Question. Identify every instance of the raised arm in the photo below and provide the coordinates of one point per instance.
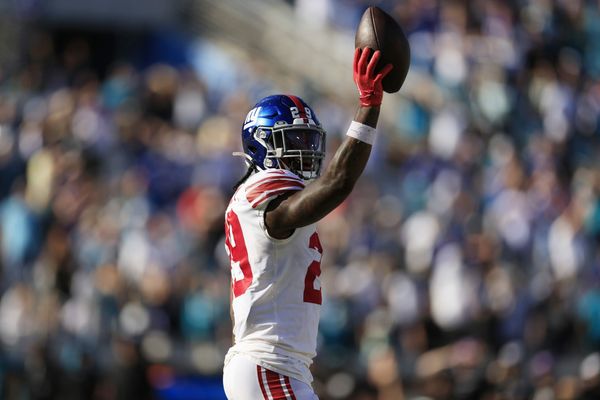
(291, 211)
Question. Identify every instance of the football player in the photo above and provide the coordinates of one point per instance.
(271, 240)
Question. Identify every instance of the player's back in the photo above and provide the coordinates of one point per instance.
(276, 294)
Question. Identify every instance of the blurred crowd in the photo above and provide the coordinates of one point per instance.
(465, 265)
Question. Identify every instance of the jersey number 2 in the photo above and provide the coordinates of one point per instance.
(241, 272)
(312, 295)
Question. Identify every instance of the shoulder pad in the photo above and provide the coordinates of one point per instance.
(268, 184)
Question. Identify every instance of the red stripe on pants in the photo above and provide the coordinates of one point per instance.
(260, 382)
(289, 388)
(274, 382)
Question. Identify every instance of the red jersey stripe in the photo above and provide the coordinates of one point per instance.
(275, 179)
(276, 174)
(253, 194)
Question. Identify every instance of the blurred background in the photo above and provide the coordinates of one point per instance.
(465, 265)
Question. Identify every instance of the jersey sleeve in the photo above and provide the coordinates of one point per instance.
(269, 184)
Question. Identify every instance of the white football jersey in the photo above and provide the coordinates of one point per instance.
(276, 292)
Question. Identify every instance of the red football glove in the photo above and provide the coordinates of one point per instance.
(369, 85)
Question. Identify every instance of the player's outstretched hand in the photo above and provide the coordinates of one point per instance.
(367, 80)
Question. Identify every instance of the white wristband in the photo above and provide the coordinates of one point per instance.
(361, 132)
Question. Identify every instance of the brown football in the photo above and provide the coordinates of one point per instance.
(379, 31)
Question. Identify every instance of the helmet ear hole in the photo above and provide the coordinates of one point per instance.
(252, 149)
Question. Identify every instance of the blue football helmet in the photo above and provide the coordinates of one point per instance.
(282, 131)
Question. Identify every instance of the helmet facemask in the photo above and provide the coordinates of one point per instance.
(299, 149)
